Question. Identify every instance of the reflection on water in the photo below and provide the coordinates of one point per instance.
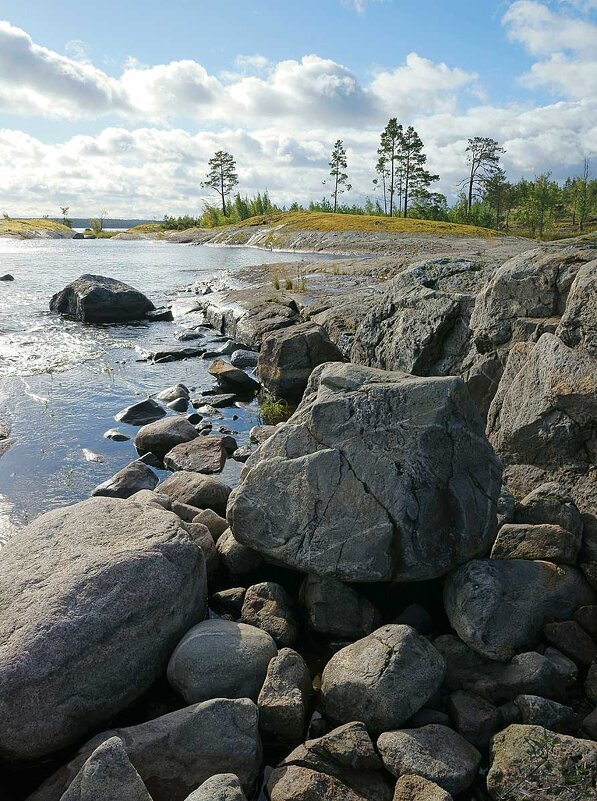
(62, 382)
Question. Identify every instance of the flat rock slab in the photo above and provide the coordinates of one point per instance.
(74, 647)
(97, 299)
(201, 455)
(485, 596)
(363, 475)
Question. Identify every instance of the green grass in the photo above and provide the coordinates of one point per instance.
(24, 229)
(273, 410)
(146, 228)
(322, 221)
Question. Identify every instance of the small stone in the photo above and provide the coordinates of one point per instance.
(269, 607)
(179, 405)
(539, 541)
(284, 698)
(228, 603)
(536, 711)
(116, 435)
(476, 719)
(550, 503)
(201, 537)
(185, 511)
(221, 787)
(173, 393)
(108, 775)
(139, 414)
(196, 489)
(216, 401)
(217, 525)
(260, 434)
(237, 558)
(587, 617)
(161, 436)
(437, 753)
(570, 638)
(228, 376)
(336, 610)
(244, 358)
(415, 788)
(242, 454)
(589, 724)
(162, 314)
(590, 685)
(152, 499)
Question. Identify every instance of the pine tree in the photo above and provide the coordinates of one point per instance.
(222, 177)
(388, 151)
(483, 158)
(338, 164)
(413, 176)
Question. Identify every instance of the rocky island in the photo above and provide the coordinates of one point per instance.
(397, 602)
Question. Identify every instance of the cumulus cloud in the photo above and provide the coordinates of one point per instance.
(360, 6)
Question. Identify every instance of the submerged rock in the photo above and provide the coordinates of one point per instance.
(362, 497)
(97, 299)
(74, 647)
(176, 753)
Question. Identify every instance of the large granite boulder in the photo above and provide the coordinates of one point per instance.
(174, 754)
(108, 775)
(97, 299)
(435, 752)
(485, 596)
(221, 659)
(93, 598)
(284, 698)
(532, 762)
(382, 679)
(340, 766)
(376, 477)
(162, 436)
(287, 359)
(268, 606)
(578, 326)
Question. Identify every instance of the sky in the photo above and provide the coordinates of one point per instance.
(119, 105)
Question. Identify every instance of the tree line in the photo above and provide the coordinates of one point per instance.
(402, 185)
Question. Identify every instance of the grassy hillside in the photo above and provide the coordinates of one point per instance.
(146, 228)
(25, 229)
(322, 221)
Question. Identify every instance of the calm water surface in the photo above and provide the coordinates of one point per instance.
(62, 382)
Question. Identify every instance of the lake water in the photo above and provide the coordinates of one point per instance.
(61, 382)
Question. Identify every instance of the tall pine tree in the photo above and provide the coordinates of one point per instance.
(222, 177)
(413, 175)
(338, 164)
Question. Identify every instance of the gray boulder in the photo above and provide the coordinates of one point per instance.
(197, 489)
(200, 455)
(151, 498)
(160, 437)
(173, 393)
(133, 478)
(217, 525)
(540, 541)
(435, 752)
(139, 414)
(531, 762)
(244, 358)
(222, 787)
(340, 766)
(74, 648)
(174, 754)
(284, 698)
(201, 537)
(107, 776)
(360, 498)
(537, 711)
(97, 299)
(287, 359)
(337, 610)
(237, 558)
(474, 718)
(269, 607)
(231, 378)
(415, 788)
(578, 326)
(221, 659)
(228, 603)
(550, 503)
(483, 597)
(382, 679)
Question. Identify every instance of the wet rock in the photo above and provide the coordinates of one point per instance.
(287, 359)
(244, 358)
(475, 719)
(539, 763)
(163, 314)
(578, 326)
(108, 775)
(242, 454)
(483, 597)
(116, 435)
(541, 541)
(161, 436)
(537, 711)
(339, 766)
(353, 491)
(179, 405)
(336, 610)
(75, 649)
(550, 503)
(176, 353)
(97, 299)
(531, 672)
(269, 607)
(382, 679)
(216, 401)
(435, 752)
(284, 698)
(221, 659)
(229, 377)
(222, 787)
(415, 788)
(196, 489)
(570, 638)
(201, 455)
(217, 525)
(176, 753)
(228, 603)
(133, 478)
(237, 558)
(7, 277)
(139, 414)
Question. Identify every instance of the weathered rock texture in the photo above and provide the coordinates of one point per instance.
(97, 299)
(377, 477)
(93, 599)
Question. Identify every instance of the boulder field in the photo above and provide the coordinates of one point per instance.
(397, 602)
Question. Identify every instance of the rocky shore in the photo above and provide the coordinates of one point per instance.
(396, 603)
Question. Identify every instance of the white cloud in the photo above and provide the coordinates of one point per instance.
(360, 6)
